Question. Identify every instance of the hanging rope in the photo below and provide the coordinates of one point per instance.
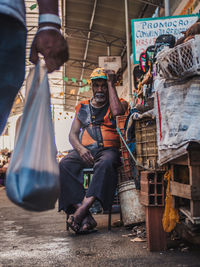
(131, 154)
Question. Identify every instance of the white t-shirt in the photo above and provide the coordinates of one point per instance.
(14, 8)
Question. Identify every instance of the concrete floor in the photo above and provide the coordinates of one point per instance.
(40, 239)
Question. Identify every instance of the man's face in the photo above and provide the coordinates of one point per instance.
(100, 90)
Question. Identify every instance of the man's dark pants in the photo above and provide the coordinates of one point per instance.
(104, 180)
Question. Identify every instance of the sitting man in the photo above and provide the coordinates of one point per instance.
(96, 142)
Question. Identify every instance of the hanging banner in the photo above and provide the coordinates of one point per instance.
(145, 31)
(110, 62)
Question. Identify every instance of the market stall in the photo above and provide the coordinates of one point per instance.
(167, 132)
(177, 109)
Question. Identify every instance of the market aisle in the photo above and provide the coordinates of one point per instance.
(40, 239)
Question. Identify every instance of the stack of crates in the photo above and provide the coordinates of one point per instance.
(146, 143)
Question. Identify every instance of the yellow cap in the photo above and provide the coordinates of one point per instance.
(98, 73)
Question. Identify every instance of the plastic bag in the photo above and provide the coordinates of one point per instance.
(32, 180)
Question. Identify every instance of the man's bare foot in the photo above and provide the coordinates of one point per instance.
(75, 220)
(88, 223)
(82, 213)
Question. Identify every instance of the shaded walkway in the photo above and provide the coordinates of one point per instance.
(40, 239)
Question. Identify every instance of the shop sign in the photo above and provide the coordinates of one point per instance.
(145, 31)
(110, 62)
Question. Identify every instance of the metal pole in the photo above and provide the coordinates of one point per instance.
(64, 6)
(128, 51)
(87, 46)
(108, 50)
(167, 8)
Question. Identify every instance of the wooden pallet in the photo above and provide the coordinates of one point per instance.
(187, 186)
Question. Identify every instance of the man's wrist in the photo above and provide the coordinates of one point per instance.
(47, 28)
(49, 24)
(49, 18)
(79, 148)
(110, 83)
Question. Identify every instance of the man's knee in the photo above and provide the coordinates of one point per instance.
(106, 163)
(63, 164)
(110, 158)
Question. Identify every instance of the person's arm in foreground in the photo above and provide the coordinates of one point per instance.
(116, 107)
(49, 42)
(84, 153)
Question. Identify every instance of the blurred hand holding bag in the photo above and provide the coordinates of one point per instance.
(32, 180)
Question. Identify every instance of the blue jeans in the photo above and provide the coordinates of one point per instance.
(12, 63)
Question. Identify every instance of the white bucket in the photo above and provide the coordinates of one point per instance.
(132, 211)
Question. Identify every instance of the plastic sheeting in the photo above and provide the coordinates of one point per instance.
(177, 108)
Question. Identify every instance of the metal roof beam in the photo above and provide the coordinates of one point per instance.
(67, 94)
(96, 41)
(156, 3)
(80, 67)
(88, 41)
(75, 33)
(75, 63)
(75, 85)
(143, 11)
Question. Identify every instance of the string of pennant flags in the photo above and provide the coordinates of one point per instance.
(33, 6)
(64, 116)
(74, 80)
(61, 94)
(58, 95)
(82, 89)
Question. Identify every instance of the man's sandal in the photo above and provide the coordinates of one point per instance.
(72, 224)
(86, 232)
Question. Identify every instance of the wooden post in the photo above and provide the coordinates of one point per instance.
(190, 188)
(194, 176)
(152, 196)
(194, 172)
(156, 237)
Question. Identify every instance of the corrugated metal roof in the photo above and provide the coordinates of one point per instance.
(90, 27)
(93, 26)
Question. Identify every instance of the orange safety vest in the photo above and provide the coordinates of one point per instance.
(98, 125)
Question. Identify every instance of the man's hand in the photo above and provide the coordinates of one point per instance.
(86, 156)
(111, 76)
(52, 45)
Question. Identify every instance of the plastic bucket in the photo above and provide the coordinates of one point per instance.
(132, 211)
